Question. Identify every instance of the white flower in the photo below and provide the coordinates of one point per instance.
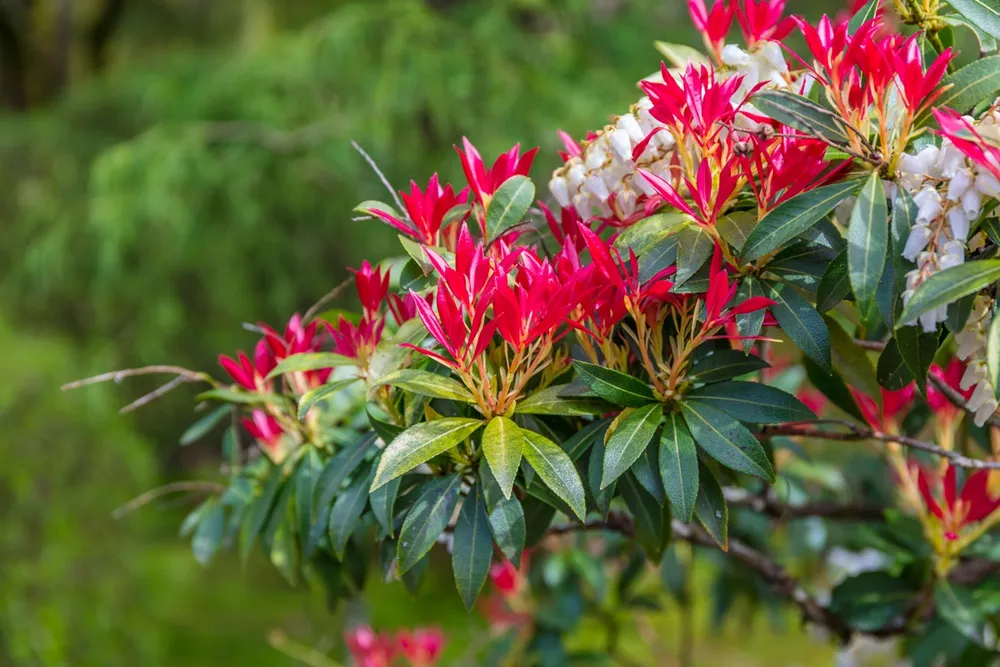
(972, 203)
(959, 184)
(919, 236)
(625, 202)
(950, 160)
(734, 56)
(576, 174)
(985, 411)
(559, 188)
(954, 255)
(631, 125)
(987, 184)
(982, 393)
(597, 187)
(774, 56)
(621, 144)
(958, 221)
(920, 164)
(928, 203)
(929, 321)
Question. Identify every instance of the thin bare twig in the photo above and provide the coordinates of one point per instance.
(119, 375)
(770, 506)
(144, 499)
(381, 176)
(856, 432)
(304, 654)
(325, 299)
(155, 394)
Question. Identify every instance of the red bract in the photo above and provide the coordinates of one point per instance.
(719, 309)
(422, 647)
(796, 164)
(566, 228)
(834, 48)
(761, 20)
(368, 648)
(906, 65)
(894, 404)
(250, 374)
(697, 103)
(426, 210)
(356, 341)
(485, 181)
(965, 137)
(623, 278)
(534, 306)
(372, 286)
(709, 195)
(297, 339)
(953, 510)
(951, 377)
(267, 431)
(713, 25)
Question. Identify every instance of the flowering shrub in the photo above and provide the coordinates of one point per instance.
(761, 226)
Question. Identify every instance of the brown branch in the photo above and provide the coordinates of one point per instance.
(117, 376)
(155, 394)
(160, 491)
(770, 506)
(325, 299)
(856, 432)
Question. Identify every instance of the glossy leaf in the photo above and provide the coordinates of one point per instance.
(646, 471)
(502, 445)
(310, 361)
(472, 547)
(614, 387)
(339, 468)
(551, 401)
(508, 528)
(832, 386)
(426, 383)
(802, 114)
(508, 206)
(629, 441)
(800, 321)
(648, 232)
(971, 84)
(749, 324)
(555, 468)
(792, 217)
(694, 247)
(736, 227)
(679, 466)
(420, 443)
(313, 396)
(950, 285)
(383, 501)
(347, 510)
(710, 506)
(580, 441)
(203, 426)
(752, 402)
(595, 469)
(835, 284)
(208, 536)
(868, 239)
(726, 440)
(307, 474)
(726, 364)
(427, 519)
(892, 371)
(652, 522)
(868, 12)
(917, 350)
(982, 13)
(851, 361)
(259, 511)
(658, 256)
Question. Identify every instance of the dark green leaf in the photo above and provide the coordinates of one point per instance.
(835, 284)
(551, 401)
(427, 519)
(852, 362)
(833, 387)
(987, 43)
(652, 522)
(804, 326)
(694, 247)
(578, 443)
(801, 264)
(917, 350)
(339, 468)
(658, 256)
(950, 285)
(752, 402)
(306, 475)
(629, 441)
(208, 535)
(904, 217)
(310, 398)
(390, 354)
(420, 443)
(958, 313)
(508, 206)
(892, 372)
(556, 469)
(347, 510)
(427, 384)
(502, 445)
(260, 509)
(383, 500)
(614, 387)
(537, 519)
(595, 469)
(472, 547)
(870, 600)
(802, 114)
(726, 364)
(868, 12)
(646, 472)
(310, 361)
(868, 240)
(200, 428)
(726, 440)
(971, 84)
(710, 507)
(508, 529)
(679, 466)
(735, 228)
(749, 324)
(982, 13)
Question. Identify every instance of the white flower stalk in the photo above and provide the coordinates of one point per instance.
(971, 342)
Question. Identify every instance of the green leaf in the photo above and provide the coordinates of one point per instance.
(804, 326)
(629, 441)
(310, 361)
(865, 14)
(710, 507)
(793, 217)
(614, 387)
(852, 362)
(347, 510)
(726, 364)
(313, 396)
(390, 354)
(726, 440)
(917, 350)
(694, 247)
(472, 547)
(958, 313)
(649, 232)
(384, 430)
(752, 402)
(835, 284)
(260, 509)
(555, 468)
(502, 445)
(950, 285)
(208, 535)
(201, 428)
(237, 396)
(801, 264)
(736, 227)
(339, 468)
(508, 206)
(646, 472)
(550, 401)
(679, 466)
(658, 256)
(892, 372)
(306, 475)
(987, 43)
(749, 324)
(595, 469)
(868, 240)
(427, 519)
(870, 600)
(679, 55)
(802, 114)
(652, 522)
(369, 206)
(971, 84)
(383, 500)
(420, 443)
(508, 529)
(993, 354)
(982, 13)
(904, 217)
(833, 387)
(426, 383)
(580, 441)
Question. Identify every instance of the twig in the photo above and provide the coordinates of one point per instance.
(160, 491)
(856, 432)
(875, 345)
(155, 394)
(770, 506)
(381, 176)
(325, 299)
(304, 654)
(118, 376)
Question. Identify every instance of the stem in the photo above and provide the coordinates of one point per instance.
(174, 487)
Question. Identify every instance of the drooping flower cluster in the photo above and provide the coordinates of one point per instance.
(420, 647)
(971, 342)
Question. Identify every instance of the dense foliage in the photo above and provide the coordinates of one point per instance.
(761, 254)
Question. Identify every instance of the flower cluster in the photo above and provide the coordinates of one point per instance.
(420, 647)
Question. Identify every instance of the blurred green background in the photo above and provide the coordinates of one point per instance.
(172, 168)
